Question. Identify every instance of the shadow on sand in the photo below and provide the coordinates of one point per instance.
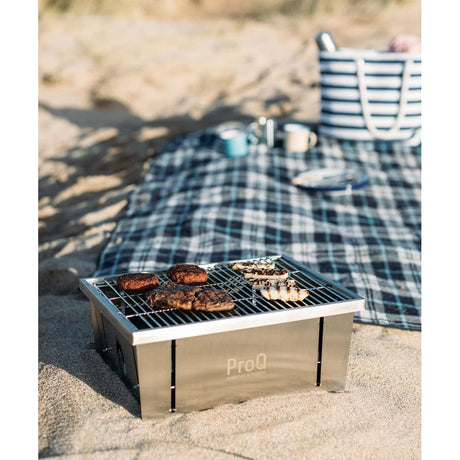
(124, 155)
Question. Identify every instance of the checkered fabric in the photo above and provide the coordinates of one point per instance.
(198, 206)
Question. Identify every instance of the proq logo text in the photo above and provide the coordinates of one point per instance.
(235, 367)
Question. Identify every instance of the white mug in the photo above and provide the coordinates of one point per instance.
(298, 138)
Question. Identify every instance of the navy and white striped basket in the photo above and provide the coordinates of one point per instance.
(371, 95)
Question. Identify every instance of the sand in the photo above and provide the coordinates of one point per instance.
(112, 90)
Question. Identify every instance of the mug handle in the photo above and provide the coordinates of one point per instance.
(311, 140)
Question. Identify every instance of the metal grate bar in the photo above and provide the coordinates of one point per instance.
(138, 311)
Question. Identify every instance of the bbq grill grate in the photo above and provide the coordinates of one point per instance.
(136, 309)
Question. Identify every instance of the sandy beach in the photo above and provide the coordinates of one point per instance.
(112, 91)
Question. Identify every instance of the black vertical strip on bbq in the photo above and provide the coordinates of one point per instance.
(173, 376)
(135, 388)
(320, 352)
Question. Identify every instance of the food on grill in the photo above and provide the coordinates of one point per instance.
(265, 284)
(253, 265)
(188, 274)
(266, 274)
(188, 297)
(137, 282)
(292, 294)
(213, 300)
(173, 295)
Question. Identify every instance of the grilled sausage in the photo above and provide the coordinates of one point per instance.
(267, 274)
(241, 266)
(265, 284)
(292, 294)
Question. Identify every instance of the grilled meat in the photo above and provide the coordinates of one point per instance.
(292, 294)
(188, 297)
(173, 295)
(266, 274)
(213, 300)
(239, 266)
(137, 282)
(265, 284)
(188, 274)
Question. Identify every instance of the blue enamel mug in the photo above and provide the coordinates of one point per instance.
(235, 142)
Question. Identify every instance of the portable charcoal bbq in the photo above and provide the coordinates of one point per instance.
(175, 360)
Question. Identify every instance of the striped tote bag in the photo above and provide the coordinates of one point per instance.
(371, 95)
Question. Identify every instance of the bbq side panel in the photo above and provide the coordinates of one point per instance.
(231, 367)
(154, 371)
(115, 349)
(335, 351)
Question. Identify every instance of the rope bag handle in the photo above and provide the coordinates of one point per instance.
(384, 134)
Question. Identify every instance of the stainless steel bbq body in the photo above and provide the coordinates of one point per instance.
(181, 361)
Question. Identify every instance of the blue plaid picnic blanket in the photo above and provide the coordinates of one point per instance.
(195, 205)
